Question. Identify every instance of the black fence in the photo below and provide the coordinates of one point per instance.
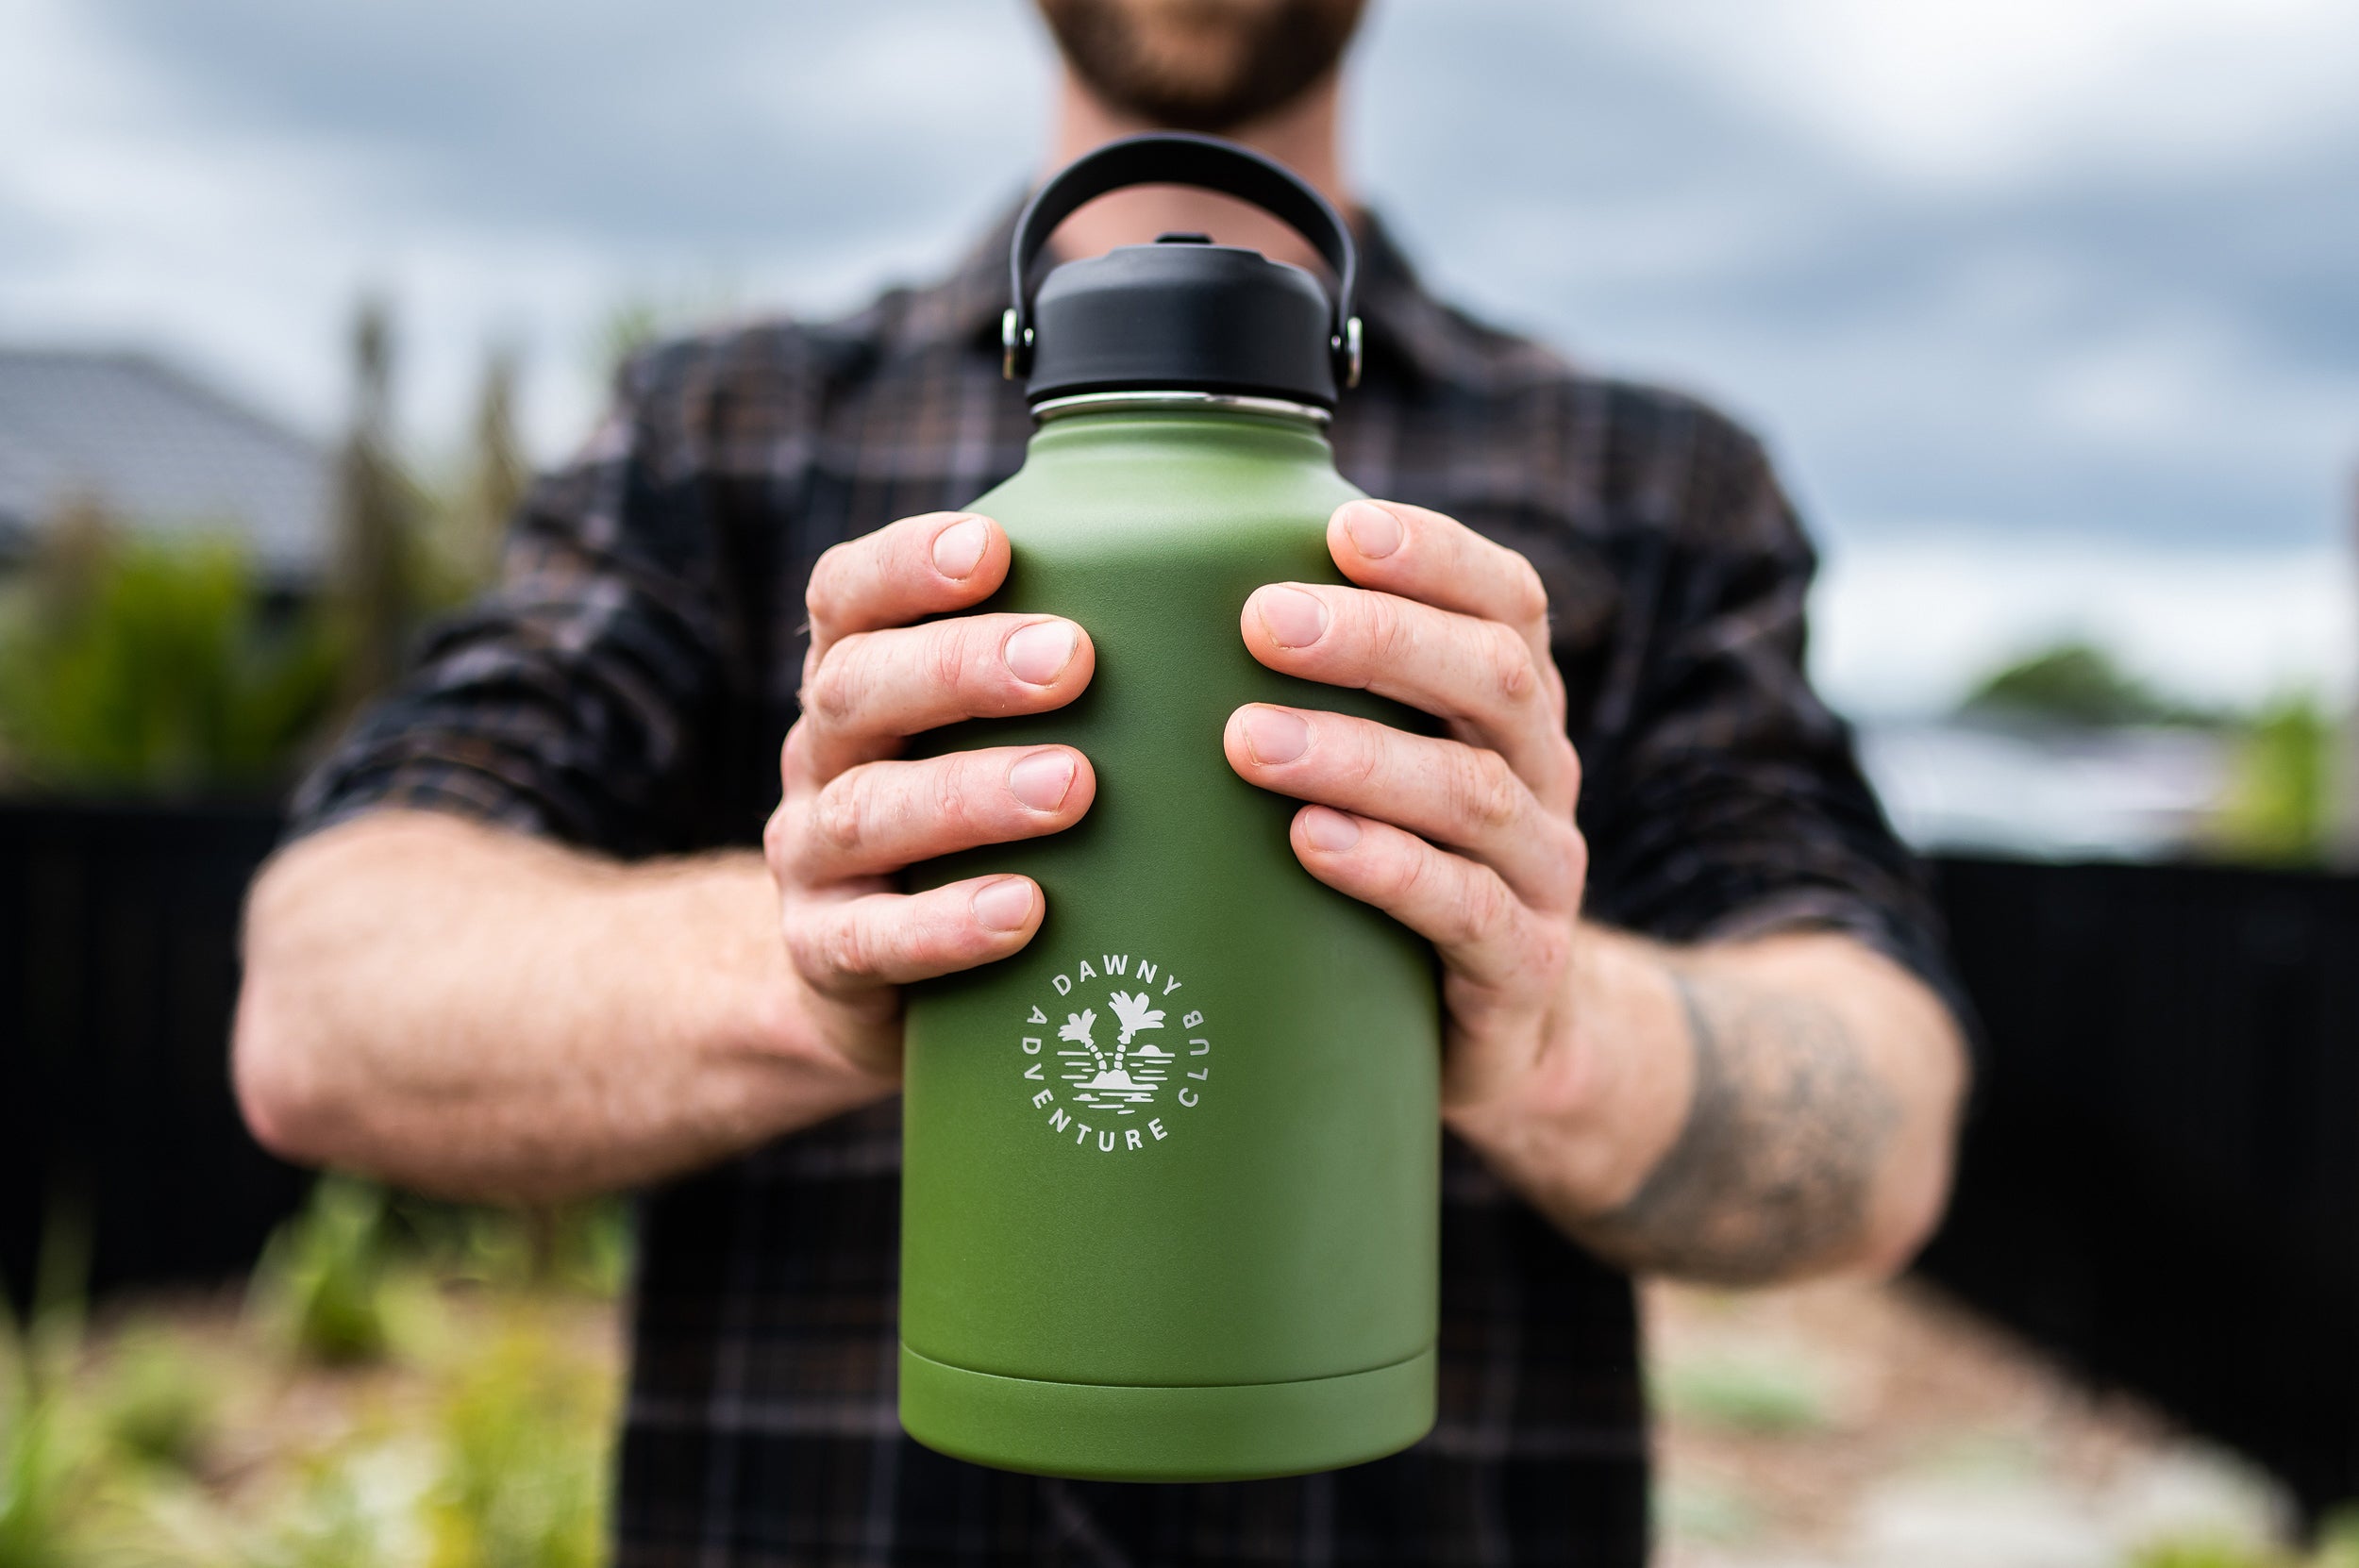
(118, 969)
(2160, 1180)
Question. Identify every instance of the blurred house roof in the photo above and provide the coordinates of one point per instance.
(160, 451)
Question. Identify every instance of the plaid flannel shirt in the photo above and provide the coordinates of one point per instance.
(625, 687)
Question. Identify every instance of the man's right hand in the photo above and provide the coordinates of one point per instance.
(854, 812)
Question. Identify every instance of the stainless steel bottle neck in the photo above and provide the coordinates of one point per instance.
(1308, 414)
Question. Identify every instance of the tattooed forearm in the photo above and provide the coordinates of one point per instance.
(1773, 1168)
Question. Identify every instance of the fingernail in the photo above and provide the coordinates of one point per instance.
(1004, 904)
(960, 546)
(1275, 735)
(1329, 830)
(1040, 652)
(1375, 532)
(1295, 619)
(1042, 779)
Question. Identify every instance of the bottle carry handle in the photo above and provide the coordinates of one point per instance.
(1208, 164)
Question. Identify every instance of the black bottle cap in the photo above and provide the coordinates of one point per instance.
(1182, 316)
(1183, 313)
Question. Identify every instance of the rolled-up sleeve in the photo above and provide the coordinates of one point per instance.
(1734, 804)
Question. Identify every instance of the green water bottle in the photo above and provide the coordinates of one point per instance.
(1170, 1182)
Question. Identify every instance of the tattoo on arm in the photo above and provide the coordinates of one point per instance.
(1785, 1133)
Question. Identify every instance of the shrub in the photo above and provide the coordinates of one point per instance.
(154, 666)
(2280, 800)
(323, 1284)
(2076, 682)
(1766, 1393)
(523, 1444)
(158, 1402)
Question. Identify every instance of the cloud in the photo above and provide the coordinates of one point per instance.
(224, 181)
(1906, 625)
(2000, 92)
(2054, 269)
(723, 123)
(1986, 262)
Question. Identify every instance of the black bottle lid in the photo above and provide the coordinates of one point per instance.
(1183, 313)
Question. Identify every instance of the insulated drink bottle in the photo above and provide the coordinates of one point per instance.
(1170, 1181)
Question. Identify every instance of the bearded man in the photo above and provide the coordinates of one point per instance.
(532, 940)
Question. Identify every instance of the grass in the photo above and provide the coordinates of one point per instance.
(405, 1386)
(1755, 1392)
(2336, 1548)
(141, 666)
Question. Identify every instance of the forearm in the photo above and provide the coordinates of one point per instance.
(1741, 1112)
(472, 1012)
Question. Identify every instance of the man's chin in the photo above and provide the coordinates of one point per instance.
(1201, 68)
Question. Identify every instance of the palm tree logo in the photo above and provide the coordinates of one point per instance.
(1113, 1084)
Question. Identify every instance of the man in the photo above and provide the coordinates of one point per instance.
(525, 950)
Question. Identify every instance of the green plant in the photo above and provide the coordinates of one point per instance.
(43, 1478)
(1702, 1509)
(2075, 681)
(353, 1505)
(2280, 799)
(582, 1248)
(485, 1445)
(49, 1465)
(2338, 1538)
(156, 666)
(159, 1401)
(325, 1278)
(1754, 1393)
(524, 1439)
(591, 1249)
(377, 577)
(468, 514)
(2205, 1551)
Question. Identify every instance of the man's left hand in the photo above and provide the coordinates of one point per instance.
(1467, 839)
(1742, 1111)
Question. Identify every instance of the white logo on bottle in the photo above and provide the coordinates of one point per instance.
(1111, 1096)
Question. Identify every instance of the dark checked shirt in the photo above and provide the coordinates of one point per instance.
(625, 690)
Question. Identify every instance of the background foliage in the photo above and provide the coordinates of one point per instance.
(139, 662)
(473, 1401)
(2284, 772)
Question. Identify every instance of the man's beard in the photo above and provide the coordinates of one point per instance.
(1204, 65)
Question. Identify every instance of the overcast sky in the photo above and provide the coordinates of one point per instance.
(2018, 270)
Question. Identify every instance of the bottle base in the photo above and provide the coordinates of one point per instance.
(1118, 1432)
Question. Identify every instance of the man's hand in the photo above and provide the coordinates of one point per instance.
(476, 1012)
(1468, 840)
(1744, 1111)
(853, 813)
